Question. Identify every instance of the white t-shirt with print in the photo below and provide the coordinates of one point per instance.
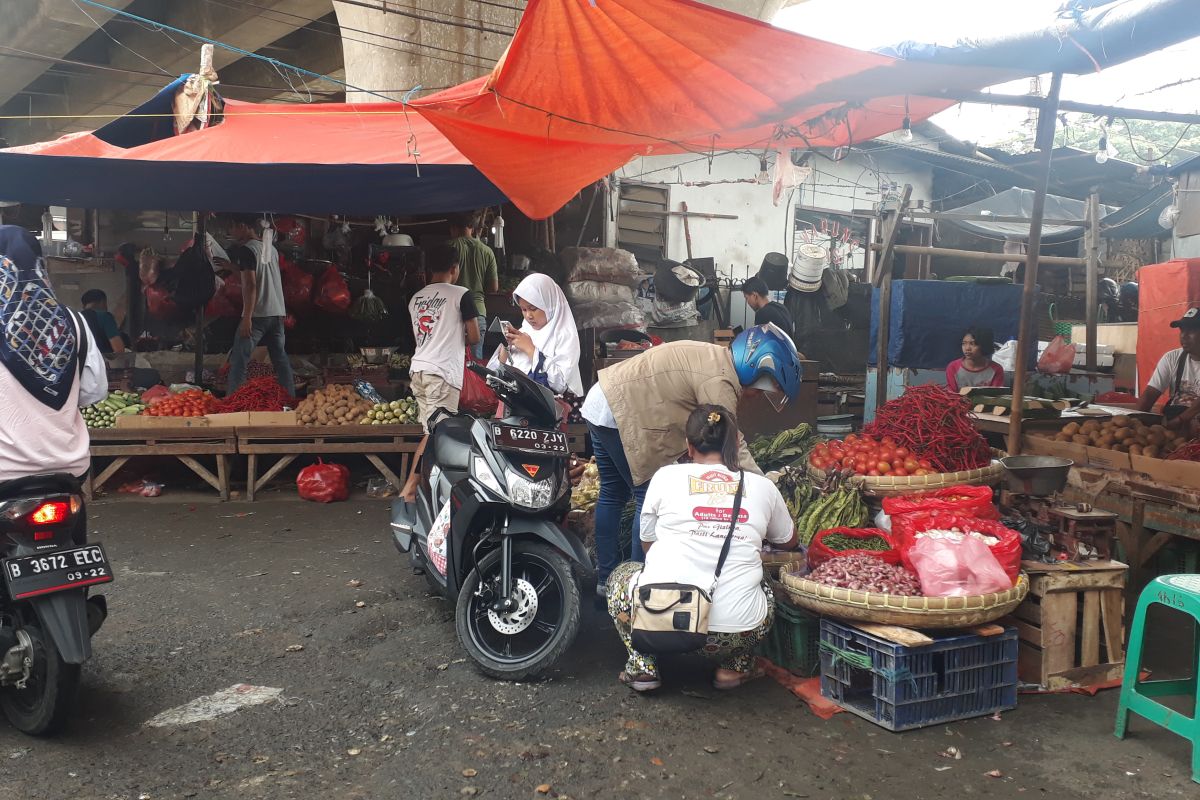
(1163, 378)
(686, 514)
(437, 320)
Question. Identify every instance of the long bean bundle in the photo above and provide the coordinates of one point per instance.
(935, 423)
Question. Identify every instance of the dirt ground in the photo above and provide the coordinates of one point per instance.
(377, 701)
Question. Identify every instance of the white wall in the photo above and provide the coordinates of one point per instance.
(725, 185)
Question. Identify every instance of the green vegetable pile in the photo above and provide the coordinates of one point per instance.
(118, 404)
(841, 506)
(397, 412)
(840, 542)
(796, 490)
(786, 447)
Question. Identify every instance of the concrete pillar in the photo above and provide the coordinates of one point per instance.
(445, 42)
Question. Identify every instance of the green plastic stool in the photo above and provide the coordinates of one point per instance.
(1182, 593)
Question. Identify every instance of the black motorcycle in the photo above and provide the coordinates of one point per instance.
(47, 618)
(486, 529)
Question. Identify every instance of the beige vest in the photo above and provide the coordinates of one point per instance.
(652, 394)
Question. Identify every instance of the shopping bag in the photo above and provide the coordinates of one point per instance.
(476, 396)
(961, 566)
(1057, 358)
(324, 483)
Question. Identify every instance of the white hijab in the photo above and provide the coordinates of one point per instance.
(557, 341)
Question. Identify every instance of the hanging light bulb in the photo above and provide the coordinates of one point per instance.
(763, 177)
(1102, 150)
(906, 134)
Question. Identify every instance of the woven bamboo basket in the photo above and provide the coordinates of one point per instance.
(911, 612)
(885, 485)
(773, 563)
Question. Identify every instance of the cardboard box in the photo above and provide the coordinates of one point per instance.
(723, 336)
(1048, 446)
(137, 421)
(252, 419)
(1185, 474)
(1108, 459)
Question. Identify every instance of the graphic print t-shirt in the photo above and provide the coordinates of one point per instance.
(1164, 377)
(687, 513)
(437, 313)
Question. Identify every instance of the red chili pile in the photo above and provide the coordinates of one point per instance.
(1186, 452)
(935, 424)
(258, 394)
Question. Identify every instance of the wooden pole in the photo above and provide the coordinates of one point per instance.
(1028, 101)
(1092, 246)
(201, 232)
(883, 279)
(1047, 119)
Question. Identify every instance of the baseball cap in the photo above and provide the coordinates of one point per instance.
(1190, 319)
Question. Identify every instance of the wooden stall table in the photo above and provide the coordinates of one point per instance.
(999, 423)
(371, 441)
(184, 444)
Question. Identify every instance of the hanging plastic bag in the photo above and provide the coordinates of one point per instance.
(970, 501)
(158, 302)
(332, 295)
(957, 567)
(297, 287)
(1057, 358)
(476, 396)
(819, 551)
(1006, 356)
(1005, 543)
(324, 483)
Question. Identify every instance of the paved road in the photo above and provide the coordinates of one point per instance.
(378, 703)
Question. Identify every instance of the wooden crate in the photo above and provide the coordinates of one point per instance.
(1070, 627)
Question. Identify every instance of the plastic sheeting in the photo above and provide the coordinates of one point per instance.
(650, 77)
(322, 158)
(1018, 202)
(929, 318)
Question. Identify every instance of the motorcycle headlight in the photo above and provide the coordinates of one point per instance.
(530, 494)
(483, 473)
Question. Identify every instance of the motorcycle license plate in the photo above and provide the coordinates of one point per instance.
(530, 440)
(53, 572)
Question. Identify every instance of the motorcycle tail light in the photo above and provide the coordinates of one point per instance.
(52, 512)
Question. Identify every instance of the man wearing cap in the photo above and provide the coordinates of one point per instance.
(765, 309)
(1178, 376)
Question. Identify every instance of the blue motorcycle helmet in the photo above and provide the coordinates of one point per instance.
(765, 358)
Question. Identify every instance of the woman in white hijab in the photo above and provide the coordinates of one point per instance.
(546, 346)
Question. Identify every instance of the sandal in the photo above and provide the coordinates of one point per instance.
(742, 678)
(640, 683)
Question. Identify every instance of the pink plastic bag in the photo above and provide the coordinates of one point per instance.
(1057, 358)
(949, 568)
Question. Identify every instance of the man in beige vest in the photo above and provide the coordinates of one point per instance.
(636, 413)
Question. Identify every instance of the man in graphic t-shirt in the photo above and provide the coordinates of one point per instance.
(443, 320)
(1178, 376)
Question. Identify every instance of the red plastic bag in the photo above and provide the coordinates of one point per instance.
(297, 286)
(1007, 549)
(819, 552)
(1057, 358)
(333, 295)
(324, 483)
(221, 305)
(970, 501)
(476, 396)
(158, 302)
(957, 568)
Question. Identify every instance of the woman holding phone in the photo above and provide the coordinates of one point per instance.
(546, 346)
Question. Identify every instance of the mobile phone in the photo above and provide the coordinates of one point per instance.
(506, 327)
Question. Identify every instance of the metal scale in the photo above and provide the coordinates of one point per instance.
(1052, 529)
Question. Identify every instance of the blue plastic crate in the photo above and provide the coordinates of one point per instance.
(900, 688)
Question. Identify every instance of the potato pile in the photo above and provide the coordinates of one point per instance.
(1124, 434)
(335, 404)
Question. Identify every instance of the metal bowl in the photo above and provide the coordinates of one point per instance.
(1036, 475)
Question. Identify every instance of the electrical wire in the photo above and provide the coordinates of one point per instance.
(1164, 156)
(390, 9)
(337, 30)
(273, 61)
(115, 40)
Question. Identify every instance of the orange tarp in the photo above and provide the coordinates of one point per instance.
(586, 85)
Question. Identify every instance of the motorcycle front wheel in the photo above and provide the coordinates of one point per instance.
(41, 708)
(524, 642)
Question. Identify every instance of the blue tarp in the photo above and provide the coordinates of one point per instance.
(928, 319)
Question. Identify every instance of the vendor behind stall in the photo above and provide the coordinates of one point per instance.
(1178, 375)
(976, 367)
(546, 346)
(637, 410)
(478, 271)
(101, 322)
(765, 309)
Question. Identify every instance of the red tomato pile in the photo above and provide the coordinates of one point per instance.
(864, 455)
(192, 403)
